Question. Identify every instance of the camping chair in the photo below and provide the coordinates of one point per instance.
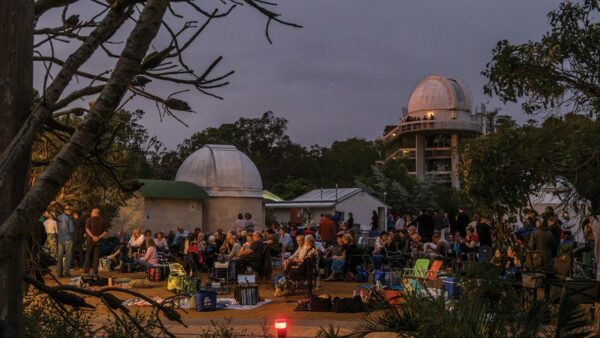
(419, 271)
(304, 276)
(434, 270)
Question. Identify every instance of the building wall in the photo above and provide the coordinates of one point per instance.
(223, 211)
(130, 215)
(167, 214)
(361, 206)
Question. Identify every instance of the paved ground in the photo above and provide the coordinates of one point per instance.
(300, 324)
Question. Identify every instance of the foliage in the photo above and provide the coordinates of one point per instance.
(561, 69)
(390, 182)
(124, 327)
(224, 329)
(42, 319)
(287, 168)
(488, 307)
(104, 180)
(501, 170)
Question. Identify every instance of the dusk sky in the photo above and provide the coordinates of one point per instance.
(350, 70)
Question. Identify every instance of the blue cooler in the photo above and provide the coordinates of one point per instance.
(206, 300)
(451, 287)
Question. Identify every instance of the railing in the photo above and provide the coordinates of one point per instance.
(414, 126)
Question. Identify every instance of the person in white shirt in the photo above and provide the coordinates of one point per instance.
(400, 223)
(160, 241)
(137, 240)
(51, 230)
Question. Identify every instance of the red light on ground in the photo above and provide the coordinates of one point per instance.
(280, 324)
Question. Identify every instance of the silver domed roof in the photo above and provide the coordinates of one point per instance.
(439, 93)
(221, 170)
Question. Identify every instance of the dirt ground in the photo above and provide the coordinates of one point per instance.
(278, 308)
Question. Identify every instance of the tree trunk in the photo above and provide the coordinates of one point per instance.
(16, 83)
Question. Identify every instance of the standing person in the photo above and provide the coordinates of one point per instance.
(95, 228)
(462, 220)
(249, 221)
(66, 230)
(390, 221)
(399, 223)
(78, 254)
(542, 240)
(239, 224)
(374, 221)
(425, 225)
(438, 221)
(50, 226)
(484, 232)
(350, 221)
(327, 230)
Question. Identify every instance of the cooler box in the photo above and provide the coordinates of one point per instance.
(206, 300)
(451, 287)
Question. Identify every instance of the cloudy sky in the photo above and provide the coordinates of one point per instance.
(350, 70)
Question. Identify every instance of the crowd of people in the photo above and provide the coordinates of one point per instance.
(338, 246)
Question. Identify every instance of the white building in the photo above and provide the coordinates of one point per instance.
(211, 187)
(328, 201)
(439, 117)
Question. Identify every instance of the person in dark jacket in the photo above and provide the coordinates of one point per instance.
(484, 232)
(542, 240)
(462, 220)
(374, 221)
(78, 240)
(425, 225)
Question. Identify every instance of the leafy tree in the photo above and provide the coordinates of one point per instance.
(558, 73)
(105, 178)
(562, 69)
(131, 67)
(501, 170)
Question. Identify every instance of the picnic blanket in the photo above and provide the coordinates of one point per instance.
(232, 304)
(140, 302)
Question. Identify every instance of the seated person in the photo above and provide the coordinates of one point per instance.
(251, 253)
(150, 258)
(271, 241)
(333, 251)
(471, 241)
(380, 249)
(285, 240)
(230, 248)
(338, 262)
(415, 243)
(147, 234)
(161, 242)
(179, 239)
(134, 245)
(512, 259)
(498, 259)
(136, 241)
(307, 251)
(296, 254)
(438, 247)
(210, 251)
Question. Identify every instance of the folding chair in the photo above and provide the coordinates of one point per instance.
(435, 268)
(419, 270)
